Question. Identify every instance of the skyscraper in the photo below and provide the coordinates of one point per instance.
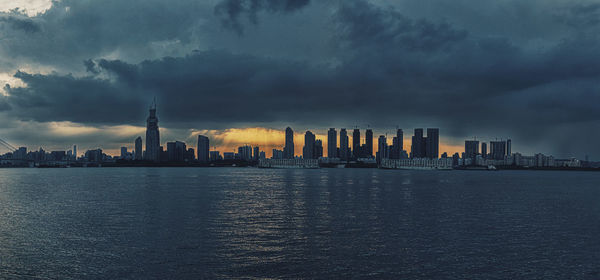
(356, 143)
(344, 144)
(382, 149)
(471, 149)
(508, 147)
(432, 149)
(398, 143)
(309, 146)
(498, 149)
(369, 143)
(138, 148)
(332, 143)
(418, 144)
(484, 149)
(203, 149)
(288, 150)
(256, 153)
(318, 149)
(245, 153)
(152, 135)
(176, 151)
(75, 151)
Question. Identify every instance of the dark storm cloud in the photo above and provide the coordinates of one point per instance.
(66, 98)
(19, 22)
(76, 30)
(230, 11)
(580, 15)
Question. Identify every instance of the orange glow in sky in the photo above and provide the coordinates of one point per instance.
(267, 139)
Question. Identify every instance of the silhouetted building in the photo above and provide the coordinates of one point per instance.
(20, 153)
(152, 136)
(138, 149)
(417, 148)
(483, 149)
(190, 155)
(508, 147)
(228, 156)
(343, 153)
(176, 151)
(309, 146)
(471, 149)
(277, 154)
(332, 143)
(58, 155)
(245, 153)
(163, 155)
(123, 152)
(288, 150)
(498, 149)
(432, 147)
(368, 143)
(256, 154)
(382, 149)
(214, 156)
(203, 149)
(397, 145)
(318, 153)
(356, 143)
(75, 151)
(94, 155)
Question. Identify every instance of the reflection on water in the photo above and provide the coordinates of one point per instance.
(328, 223)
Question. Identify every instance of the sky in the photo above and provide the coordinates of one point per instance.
(85, 71)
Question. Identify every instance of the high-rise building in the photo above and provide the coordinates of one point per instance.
(288, 150)
(176, 151)
(369, 143)
(20, 153)
(75, 151)
(508, 147)
(277, 154)
(123, 152)
(498, 149)
(152, 136)
(382, 149)
(332, 143)
(214, 156)
(344, 144)
(471, 149)
(484, 149)
(432, 147)
(397, 144)
(356, 143)
(245, 153)
(256, 153)
(203, 149)
(318, 153)
(138, 148)
(417, 148)
(309, 146)
(94, 155)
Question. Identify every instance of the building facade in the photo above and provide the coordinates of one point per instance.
(152, 136)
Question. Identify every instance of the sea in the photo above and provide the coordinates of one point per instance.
(250, 223)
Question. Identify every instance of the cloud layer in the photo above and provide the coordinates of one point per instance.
(230, 63)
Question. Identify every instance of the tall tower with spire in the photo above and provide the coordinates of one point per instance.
(152, 135)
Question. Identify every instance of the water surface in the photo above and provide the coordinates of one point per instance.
(177, 223)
